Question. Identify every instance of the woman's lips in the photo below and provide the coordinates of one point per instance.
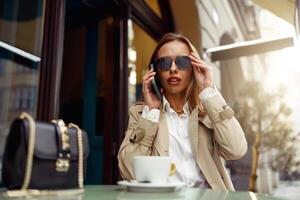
(173, 80)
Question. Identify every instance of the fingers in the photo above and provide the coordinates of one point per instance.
(147, 78)
(148, 75)
(202, 71)
(199, 64)
(149, 97)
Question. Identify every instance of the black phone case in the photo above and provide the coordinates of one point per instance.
(155, 85)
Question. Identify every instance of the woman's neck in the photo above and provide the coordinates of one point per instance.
(176, 101)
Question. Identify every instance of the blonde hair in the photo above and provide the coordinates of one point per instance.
(192, 92)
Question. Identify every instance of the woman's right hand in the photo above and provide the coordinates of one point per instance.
(151, 100)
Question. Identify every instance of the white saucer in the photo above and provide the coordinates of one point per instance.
(151, 187)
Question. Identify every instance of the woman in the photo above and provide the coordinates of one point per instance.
(191, 123)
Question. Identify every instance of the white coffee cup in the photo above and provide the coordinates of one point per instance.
(153, 169)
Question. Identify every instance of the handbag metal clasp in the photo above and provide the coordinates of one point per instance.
(62, 165)
(63, 161)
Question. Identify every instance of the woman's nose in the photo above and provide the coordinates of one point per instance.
(173, 67)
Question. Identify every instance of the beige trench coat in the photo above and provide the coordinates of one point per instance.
(215, 137)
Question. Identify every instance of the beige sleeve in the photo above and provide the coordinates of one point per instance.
(138, 140)
(228, 135)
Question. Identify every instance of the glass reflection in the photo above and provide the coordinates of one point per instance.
(140, 47)
(21, 28)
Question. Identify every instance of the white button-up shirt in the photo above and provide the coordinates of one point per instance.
(180, 149)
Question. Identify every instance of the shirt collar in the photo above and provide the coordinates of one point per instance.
(167, 107)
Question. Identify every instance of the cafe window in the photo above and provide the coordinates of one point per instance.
(153, 4)
(21, 27)
(140, 48)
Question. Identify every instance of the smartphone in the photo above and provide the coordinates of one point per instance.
(155, 85)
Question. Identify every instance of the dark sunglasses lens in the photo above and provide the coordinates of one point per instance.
(183, 62)
(164, 64)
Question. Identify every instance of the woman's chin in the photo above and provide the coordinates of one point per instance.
(173, 91)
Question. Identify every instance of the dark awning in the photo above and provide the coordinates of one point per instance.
(284, 9)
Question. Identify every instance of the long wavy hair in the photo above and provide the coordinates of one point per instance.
(192, 92)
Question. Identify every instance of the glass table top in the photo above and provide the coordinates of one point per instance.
(114, 192)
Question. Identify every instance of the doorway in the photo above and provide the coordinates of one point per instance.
(86, 95)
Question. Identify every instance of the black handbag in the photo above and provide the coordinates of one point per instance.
(43, 156)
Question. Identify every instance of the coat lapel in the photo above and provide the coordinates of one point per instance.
(193, 130)
(161, 142)
(198, 142)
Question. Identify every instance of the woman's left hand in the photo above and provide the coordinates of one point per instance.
(203, 72)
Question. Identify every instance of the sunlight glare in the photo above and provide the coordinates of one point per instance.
(284, 72)
(291, 56)
(286, 64)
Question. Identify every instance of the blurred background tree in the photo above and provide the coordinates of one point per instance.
(264, 117)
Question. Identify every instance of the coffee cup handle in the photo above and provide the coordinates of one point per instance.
(172, 169)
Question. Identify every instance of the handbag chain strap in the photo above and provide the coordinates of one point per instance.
(31, 142)
(80, 153)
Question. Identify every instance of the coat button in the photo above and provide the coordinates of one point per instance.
(137, 136)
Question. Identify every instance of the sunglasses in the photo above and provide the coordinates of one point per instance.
(165, 63)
